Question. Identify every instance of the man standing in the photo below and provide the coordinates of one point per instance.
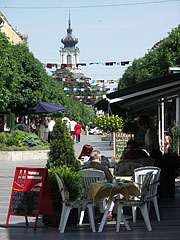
(72, 129)
(46, 131)
(50, 127)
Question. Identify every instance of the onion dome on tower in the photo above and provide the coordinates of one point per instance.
(69, 40)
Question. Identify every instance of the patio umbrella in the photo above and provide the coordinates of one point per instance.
(45, 107)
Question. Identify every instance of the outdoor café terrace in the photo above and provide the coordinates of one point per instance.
(167, 228)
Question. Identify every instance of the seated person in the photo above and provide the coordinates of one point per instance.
(132, 151)
(87, 149)
(95, 162)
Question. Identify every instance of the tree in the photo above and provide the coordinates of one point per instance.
(24, 83)
(156, 62)
(8, 72)
(61, 147)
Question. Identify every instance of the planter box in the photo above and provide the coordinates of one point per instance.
(105, 138)
(23, 155)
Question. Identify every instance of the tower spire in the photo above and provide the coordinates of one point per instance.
(69, 18)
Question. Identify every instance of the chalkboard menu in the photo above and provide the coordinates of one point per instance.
(31, 194)
(25, 203)
(121, 143)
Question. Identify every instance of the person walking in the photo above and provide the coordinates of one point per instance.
(72, 125)
(78, 128)
(46, 130)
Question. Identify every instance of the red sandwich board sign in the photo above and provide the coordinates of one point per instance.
(31, 194)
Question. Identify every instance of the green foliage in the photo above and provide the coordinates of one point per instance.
(19, 135)
(19, 138)
(31, 140)
(12, 141)
(61, 147)
(6, 149)
(3, 138)
(23, 148)
(44, 141)
(24, 83)
(15, 148)
(109, 123)
(156, 62)
(175, 138)
(72, 179)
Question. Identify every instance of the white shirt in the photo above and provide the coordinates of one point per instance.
(46, 123)
(72, 126)
(51, 125)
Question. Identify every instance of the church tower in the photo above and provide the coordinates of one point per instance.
(69, 54)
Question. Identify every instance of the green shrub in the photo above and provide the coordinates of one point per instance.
(19, 135)
(36, 148)
(31, 140)
(3, 138)
(44, 141)
(15, 148)
(46, 147)
(73, 182)
(6, 149)
(61, 147)
(23, 148)
(12, 141)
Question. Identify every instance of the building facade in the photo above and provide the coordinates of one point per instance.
(13, 36)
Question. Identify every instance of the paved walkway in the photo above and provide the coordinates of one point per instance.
(168, 228)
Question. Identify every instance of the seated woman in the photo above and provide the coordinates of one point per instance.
(132, 152)
(87, 149)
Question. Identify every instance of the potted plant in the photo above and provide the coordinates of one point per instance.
(109, 123)
(74, 184)
(62, 159)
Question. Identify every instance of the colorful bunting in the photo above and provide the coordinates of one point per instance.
(85, 97)
(89, 89)
(55, 65)
(86, 81)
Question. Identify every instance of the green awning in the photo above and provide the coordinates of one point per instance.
(142, 95)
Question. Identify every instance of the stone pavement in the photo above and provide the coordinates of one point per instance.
(168, 228)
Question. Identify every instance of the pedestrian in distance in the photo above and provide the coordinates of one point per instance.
(72, 125)
(78, 128)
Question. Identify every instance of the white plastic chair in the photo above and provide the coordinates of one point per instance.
(141, 203)
(91, 176)
(139, 174)
(68, 205)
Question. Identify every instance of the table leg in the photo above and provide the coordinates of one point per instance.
(103, 221)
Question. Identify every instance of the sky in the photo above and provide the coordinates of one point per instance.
(107, 30)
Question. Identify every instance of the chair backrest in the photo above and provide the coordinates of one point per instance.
(147, 161)
(91, 176)
(126, 167)
(62, 189)
(146, 186)
(140, 173)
